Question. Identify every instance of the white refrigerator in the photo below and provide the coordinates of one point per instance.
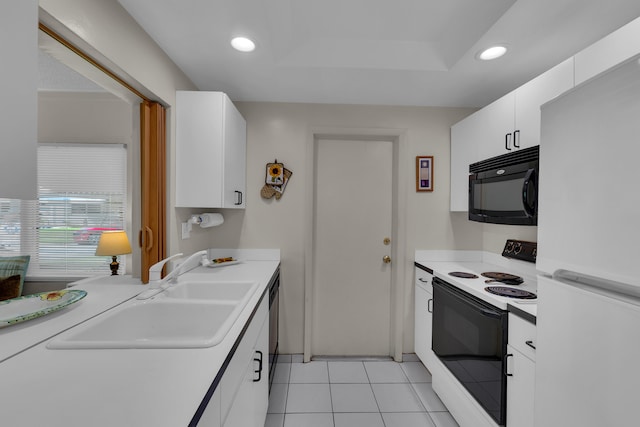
(588, 322)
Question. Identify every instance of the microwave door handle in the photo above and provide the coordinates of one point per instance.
(526, 203)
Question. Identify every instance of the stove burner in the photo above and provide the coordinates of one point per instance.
(506, 278)
(510, 292)
(463, 275)
(500, 276)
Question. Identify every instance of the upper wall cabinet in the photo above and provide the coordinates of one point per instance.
(19, 101)
(496, 135)
(508, 124)
(513, 121)
(608, 52)
(464, 151)
(530, 96)
(211, 141)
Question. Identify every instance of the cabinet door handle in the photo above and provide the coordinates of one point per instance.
(430, 305)
(507, 141)
(516, 138)
(423, 280)
(239, 198)
(506, 368)
(530, 344)
(259, 370)
(149, 234)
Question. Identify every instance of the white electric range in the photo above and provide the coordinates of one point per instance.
(469, 324)
(477, 263)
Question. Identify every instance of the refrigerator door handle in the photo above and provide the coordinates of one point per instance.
(597, 283)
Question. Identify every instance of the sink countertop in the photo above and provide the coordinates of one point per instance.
(130, 387)
(102, 294)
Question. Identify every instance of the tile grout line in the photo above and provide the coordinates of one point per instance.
(330, 383)
(374, 394)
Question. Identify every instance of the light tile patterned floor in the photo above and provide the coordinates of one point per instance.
(354, 393)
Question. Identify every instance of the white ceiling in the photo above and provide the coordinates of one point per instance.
(387, 52)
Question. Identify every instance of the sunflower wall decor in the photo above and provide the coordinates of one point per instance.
(276, 180)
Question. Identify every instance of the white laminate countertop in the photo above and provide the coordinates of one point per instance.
(444, 262)
(103, 293)
(122, 387)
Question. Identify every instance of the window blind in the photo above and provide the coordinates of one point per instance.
(82, 191)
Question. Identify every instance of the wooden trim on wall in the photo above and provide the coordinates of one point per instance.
(89, 59)
(152, 238)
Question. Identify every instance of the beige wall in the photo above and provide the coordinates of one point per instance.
(494, 236)
(85, 117)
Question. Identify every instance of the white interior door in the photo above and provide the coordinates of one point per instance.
(352, 218)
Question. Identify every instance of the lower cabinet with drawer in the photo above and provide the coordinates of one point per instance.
(242, 396)
(423, 317)
(520, 371)
(249, 407)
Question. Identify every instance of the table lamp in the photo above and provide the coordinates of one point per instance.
(113, 243)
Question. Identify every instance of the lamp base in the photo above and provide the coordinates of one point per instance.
(114, 266)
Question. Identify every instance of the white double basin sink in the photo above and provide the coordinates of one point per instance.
(191, 314)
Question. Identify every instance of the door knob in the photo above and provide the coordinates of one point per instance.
(386, 259)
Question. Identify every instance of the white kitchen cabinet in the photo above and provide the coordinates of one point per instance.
(249, 408)
(464, 151)
(245, 384)
(19, 101)
(423, 317)
(521, 371)
(608, 52)
(530, 96)
(211, 138)
(513, 121)
(494, 135)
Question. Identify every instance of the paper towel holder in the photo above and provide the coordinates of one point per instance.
(206, 220)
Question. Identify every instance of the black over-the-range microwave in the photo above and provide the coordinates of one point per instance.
(504, 189)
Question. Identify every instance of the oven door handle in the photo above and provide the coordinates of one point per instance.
(482, 309)
(488, 313)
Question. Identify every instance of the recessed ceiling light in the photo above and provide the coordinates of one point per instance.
(492, 53)
(243, 44)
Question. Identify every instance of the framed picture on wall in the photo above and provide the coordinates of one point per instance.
(424, 173)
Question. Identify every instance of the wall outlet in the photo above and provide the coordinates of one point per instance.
(185, 230)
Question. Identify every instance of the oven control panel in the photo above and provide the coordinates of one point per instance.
(520, 249)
